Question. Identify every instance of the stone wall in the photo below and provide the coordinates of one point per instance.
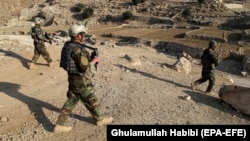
(234, 6)
(173, 48)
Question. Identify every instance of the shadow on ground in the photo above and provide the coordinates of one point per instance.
(84, 119)
(151, 75)
(23, 60)
(35, 106)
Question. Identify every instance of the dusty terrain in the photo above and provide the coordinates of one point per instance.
(147, 91)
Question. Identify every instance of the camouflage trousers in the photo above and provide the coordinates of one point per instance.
(40, 49)
(80, 88)
(207, 75)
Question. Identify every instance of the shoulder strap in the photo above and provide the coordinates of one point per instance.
(87, 46)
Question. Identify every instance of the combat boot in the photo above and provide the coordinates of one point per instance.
(50, 64)
(60, 128)
(193, 86)
(210, 93)
(31, 65)
(104, 121)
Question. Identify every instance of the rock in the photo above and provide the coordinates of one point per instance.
(4, 119)
(236, 96)
(183, 65)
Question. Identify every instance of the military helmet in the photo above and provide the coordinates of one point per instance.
(76, 29)
(38, 20)
(213, 43)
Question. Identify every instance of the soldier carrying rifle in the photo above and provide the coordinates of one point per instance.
(80, 66)
(40, 37)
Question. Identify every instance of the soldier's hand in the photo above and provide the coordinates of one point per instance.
(50, 42)
(95, 60)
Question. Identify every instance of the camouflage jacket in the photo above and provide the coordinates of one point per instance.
(38, 34)
(209, 59)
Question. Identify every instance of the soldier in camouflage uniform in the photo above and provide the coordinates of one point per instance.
(209, 61)
(40, 37)
(77, 61)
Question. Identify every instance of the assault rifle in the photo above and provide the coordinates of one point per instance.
(47, 36)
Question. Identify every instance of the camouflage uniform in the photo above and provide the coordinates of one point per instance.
(209, 61)
(40, 37)
(75, 59)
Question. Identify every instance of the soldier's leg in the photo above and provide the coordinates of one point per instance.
(93, 106)
(211, 83)
(204, 78)
(199, 81)
(68, 106)
(34, 58)
(66, 111)
(46, 55)
(91, 102)
(36, 55)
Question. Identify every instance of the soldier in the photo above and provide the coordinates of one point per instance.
(209, 61)
(77, 61)
(40, 37)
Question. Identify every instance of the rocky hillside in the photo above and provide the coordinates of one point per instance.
(207, 21)
(12, 9)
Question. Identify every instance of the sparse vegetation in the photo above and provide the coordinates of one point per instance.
(127, 15)
(78, 7)
(186, 13)
(201, 1)
(74, 9)
(109, 17)
(136, 2)
(88, 12)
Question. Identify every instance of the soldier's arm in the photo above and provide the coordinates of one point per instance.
(213, 57)
(41, 35)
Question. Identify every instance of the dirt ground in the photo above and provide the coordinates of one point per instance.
(147, 91)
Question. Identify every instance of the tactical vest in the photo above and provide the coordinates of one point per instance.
(206, 60)
(66, 62)
(38, 34)
(33, 32)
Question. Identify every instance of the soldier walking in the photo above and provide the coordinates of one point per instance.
(209, 61)
(80, 66)
(40, 37)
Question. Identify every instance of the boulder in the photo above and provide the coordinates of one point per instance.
(183, 65)
(236, 96)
